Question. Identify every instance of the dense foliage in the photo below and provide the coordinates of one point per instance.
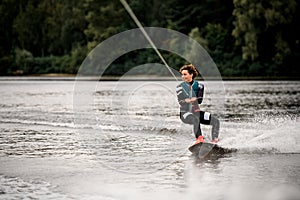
(244, 37)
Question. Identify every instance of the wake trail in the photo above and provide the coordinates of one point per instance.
(266, 137)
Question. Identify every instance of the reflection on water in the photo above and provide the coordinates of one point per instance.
(255, 98)
(139, 145)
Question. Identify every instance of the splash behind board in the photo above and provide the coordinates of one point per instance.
(204, 149)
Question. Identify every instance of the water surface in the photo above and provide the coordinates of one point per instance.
(130, 144)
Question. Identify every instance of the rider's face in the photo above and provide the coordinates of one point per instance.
(186, 76)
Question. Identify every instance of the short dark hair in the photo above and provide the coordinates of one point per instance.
(190, 68)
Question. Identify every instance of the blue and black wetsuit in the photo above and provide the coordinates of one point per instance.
(190, 112)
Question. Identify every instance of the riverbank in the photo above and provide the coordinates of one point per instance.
(73, 77)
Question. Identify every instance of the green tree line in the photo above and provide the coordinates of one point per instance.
(244, 37)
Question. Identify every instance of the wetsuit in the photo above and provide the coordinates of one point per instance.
(190, 112)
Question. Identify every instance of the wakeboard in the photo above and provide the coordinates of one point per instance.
(205, 149)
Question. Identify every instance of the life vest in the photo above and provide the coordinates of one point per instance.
(189, 91)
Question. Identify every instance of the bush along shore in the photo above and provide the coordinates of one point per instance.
(245, 38)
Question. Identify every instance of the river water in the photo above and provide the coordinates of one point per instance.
(124, 140)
